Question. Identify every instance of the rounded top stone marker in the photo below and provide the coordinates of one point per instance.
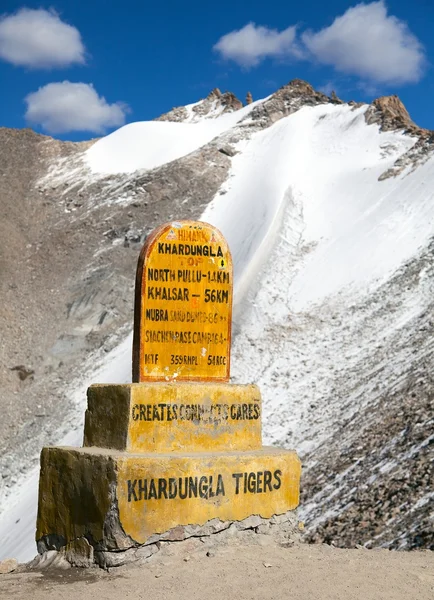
(183, 305)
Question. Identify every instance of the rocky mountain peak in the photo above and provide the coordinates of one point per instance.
(215, 93)
(214, 105)
(390, 113)
(287, 100)
(298, 86)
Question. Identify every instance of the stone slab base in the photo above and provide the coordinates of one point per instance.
(186, 540)
(117, 500)
(166, 417)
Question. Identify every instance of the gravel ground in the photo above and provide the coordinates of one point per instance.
(246, 573)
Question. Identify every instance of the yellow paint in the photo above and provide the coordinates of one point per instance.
(166, 417)
(183, 329)
(140, 517)
(85, 491)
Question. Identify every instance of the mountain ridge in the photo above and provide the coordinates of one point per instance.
(389, 110)
(74, 232)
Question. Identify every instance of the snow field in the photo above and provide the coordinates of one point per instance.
(150, 144)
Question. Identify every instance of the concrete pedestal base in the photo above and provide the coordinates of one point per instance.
(94, 500)
(182, 540)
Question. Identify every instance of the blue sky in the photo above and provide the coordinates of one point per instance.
(78, 69)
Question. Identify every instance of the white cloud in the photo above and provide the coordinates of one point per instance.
(65, 106)
(39, 39)
(251, 44)
(367, 42)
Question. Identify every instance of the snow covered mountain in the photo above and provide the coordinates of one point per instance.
(328, 208)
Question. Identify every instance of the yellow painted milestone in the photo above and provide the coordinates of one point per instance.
(161, 492)
(166, 417)
(179, 446)
(182, 328)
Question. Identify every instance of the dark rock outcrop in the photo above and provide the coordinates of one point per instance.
(390, 113)
(287, 100)
(214, 105)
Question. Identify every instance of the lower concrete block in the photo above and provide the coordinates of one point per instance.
(118, 501)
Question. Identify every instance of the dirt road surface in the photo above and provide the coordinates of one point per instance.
(302, 572)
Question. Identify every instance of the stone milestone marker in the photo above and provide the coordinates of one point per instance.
(179, 451)
(183, 307)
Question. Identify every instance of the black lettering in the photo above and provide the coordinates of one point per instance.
(157, 314)
(162, 485)
(277, 476)
(192, 487)
(220, 491)
(259, 489)
(210, 490)
(152, 490)
(183, 494)
(151, 359)
(267, 481)
(132, 490)
(203, 487)
(173, 488)
(251, 483)
(135, 415)
(143, 489)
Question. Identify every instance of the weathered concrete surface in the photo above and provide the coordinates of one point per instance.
(166, 417)
(280, 530)
(198, 487)
(76, 494)
(118, 501)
